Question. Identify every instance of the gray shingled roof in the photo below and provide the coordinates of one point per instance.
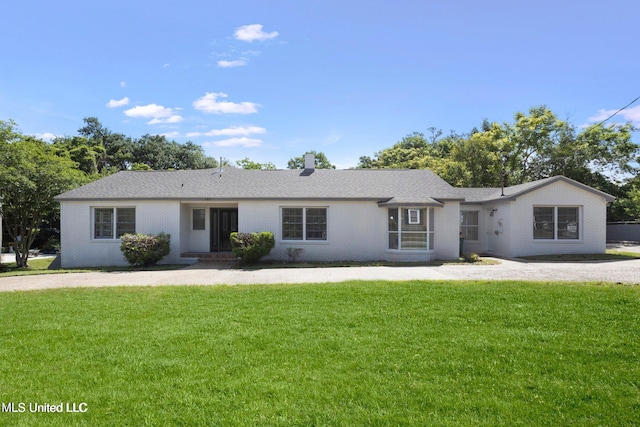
(483, 195)
(385, 185)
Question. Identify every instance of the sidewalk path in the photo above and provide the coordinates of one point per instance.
(201, 274)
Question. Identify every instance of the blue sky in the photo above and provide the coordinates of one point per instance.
(270, 80)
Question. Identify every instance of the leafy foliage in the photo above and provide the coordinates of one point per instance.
(145, 249)
(32, 172)
(249, 164)
(535, 145)
(252, 246)
(99, 151)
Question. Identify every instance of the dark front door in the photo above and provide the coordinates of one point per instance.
(223, 222)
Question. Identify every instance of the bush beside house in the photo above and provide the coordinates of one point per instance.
(145, 249)
(252, 246)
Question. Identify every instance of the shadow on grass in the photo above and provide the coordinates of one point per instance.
(41, 266)
(609, 256)
(283, 264)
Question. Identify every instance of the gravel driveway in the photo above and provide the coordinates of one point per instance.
(627, 272)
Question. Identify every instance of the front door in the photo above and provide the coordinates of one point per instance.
(224, 221)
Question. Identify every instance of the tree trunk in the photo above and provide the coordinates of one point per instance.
(22, 253)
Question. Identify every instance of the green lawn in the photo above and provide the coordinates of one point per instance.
(357, 353)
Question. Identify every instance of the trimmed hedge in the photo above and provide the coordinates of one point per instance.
(145, 249)
(252, 246)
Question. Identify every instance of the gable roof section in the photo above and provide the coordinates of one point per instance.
(486, 195)
(386, 186)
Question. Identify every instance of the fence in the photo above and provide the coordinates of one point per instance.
(623, 232)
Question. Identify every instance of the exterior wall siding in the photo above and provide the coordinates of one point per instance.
(592, 237)
(79, 249)
(447, 231)
(355, 230)
(500, 228)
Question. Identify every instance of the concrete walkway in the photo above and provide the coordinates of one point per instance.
(627, 272)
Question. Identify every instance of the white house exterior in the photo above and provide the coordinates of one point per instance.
(551, 216)
(331, 215)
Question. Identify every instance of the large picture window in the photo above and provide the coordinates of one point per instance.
(304, 223)
(410, 229)
(469, 225)
(112, 223)
(556, 222)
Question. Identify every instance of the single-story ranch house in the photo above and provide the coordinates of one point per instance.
(394, 215)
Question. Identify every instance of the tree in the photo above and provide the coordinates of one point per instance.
(249, 164)
(536, 145)
(115, 152)
(31, 173)
(116, 149)
(414, 151)
(626, 207)
(81, 150)
(321, 161)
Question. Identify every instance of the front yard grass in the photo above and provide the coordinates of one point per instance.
(354, 353)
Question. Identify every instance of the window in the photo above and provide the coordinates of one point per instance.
(469, 225)
(304, 223)
(410, 229)
(198, 216)
(568, 223)
(106, 220)
(556, 223)
(413, 216)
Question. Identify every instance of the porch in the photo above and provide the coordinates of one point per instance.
(205, 229)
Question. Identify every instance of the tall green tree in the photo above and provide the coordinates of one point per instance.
(116, 149)
(321, 161)
(32, 172)
(535, 145)
(88, 154)
(250, 164)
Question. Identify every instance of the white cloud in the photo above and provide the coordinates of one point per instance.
(47, 136)
(157, 114)
(249, 33)
(232, 64)
(174, 134)
(235, 142)
(171, 119)
(118, 103)
(232, 131)
(123, 84)
(628, 115)
(210, 104)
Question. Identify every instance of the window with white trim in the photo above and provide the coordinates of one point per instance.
(556, 222)
(410, 229)
(469, 225)
(413, 216)
(113, 223)
(304, 224)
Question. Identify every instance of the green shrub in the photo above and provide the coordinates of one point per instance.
(471, 257)
(252, 246)
(145, 249)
